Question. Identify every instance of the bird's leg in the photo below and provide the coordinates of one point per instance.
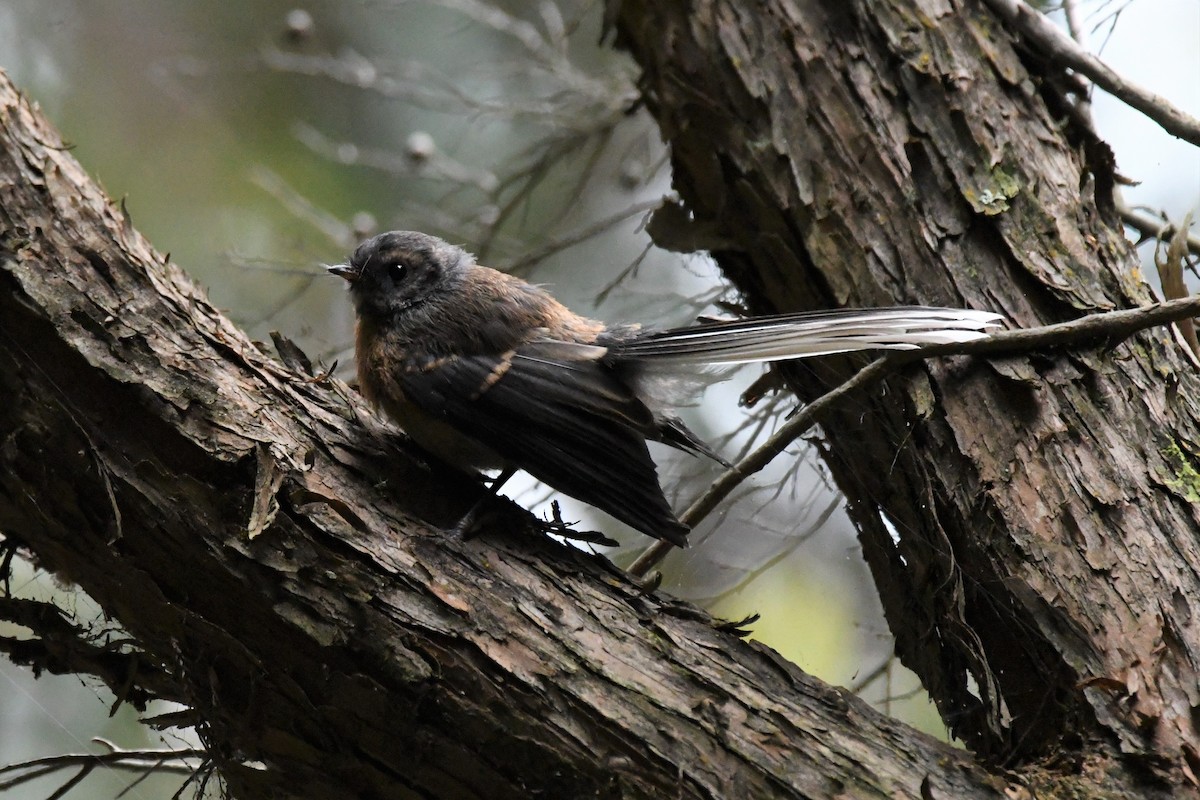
(465, 527)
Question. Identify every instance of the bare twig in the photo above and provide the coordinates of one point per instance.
(867, 678)
(1152, 227)
(1111, 325)
(183, 761)
(331, 227)
(759, 458)
(582, 234)
(420, 158)
(1170, 274)
(793, 540)
(1057, 46)
(1083, 105)
(1074, 23)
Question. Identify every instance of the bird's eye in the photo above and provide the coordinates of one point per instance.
(398, 270)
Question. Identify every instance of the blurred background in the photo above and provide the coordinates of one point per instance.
(257, 141)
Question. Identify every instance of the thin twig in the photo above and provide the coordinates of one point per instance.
(1057, 46)
(1083, 106)
(1074, 23)
(1111, 325)
(866, 679)
(1152, 227)
(582, 234)
(759, 458)
(162, 760)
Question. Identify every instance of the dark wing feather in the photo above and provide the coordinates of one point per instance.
(560, 414)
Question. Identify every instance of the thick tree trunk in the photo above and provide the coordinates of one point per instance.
(1031, 522)
(275, 555)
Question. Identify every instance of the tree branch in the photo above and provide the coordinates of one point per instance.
(1060, 48)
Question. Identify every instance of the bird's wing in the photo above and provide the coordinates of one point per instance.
(554, 410)
(815, 333)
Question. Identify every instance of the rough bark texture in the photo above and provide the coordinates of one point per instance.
(269, 551)
(1046, 572)
(1046, 581)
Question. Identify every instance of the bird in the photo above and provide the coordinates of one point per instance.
(489, 372)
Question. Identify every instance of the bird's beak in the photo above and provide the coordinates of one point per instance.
(344, 271)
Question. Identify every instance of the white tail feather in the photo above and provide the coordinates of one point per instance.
(788, 336)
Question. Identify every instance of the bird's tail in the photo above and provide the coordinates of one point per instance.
(813, 333)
